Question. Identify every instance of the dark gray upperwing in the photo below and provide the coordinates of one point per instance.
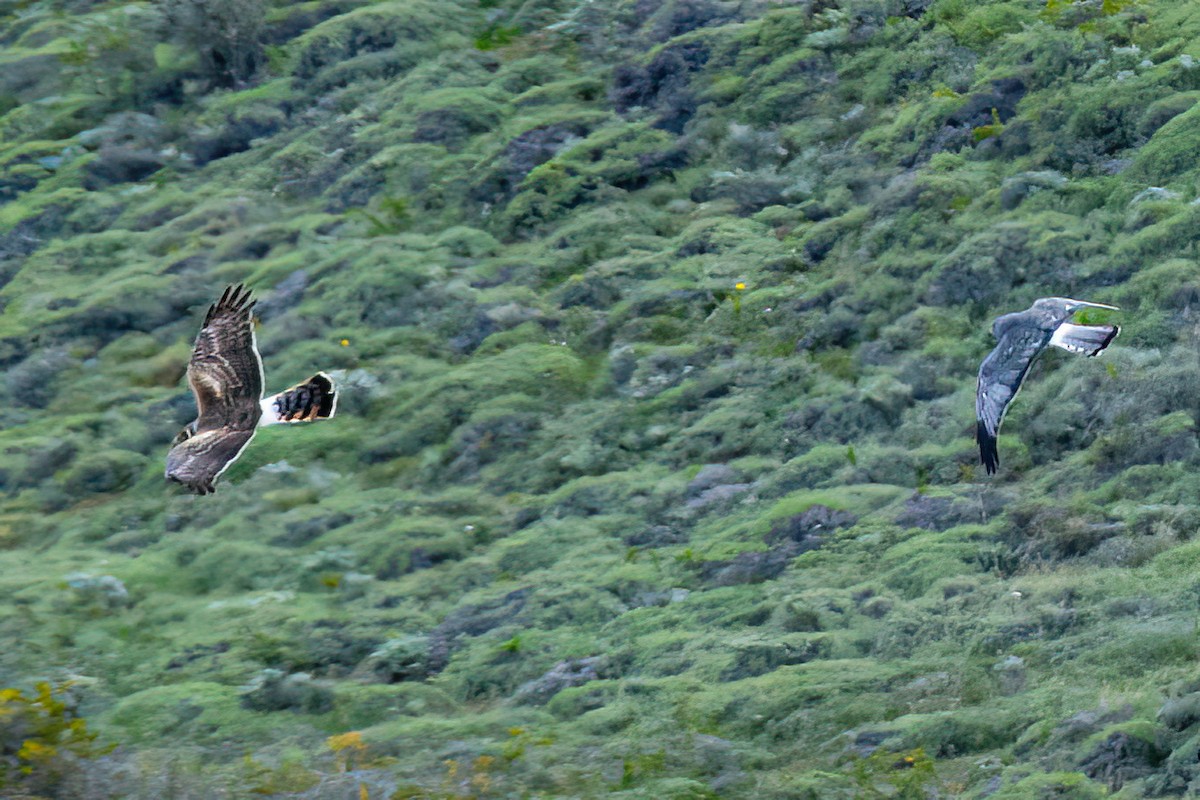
(197, 461)
(1000, 378)
(225, 371)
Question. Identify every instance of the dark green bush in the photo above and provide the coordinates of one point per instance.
(226, 35)
(100, 472)
(373, 28)
(273, 690)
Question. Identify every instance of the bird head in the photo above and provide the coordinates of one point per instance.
(188, 432)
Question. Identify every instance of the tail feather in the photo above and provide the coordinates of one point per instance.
(315, 398)
(1087, 339)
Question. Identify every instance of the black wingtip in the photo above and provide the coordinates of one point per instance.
(1107, 340)
(233, 299)
(989, 451)
(327, 395)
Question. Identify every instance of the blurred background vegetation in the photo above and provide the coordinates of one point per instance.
(657, 324)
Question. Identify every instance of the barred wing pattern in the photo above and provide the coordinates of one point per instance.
(225, 375)
(225, 371)
(198, 461)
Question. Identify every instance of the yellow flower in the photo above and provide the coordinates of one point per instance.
(345, 343)
(340, 742)
(31, 750)
(740, 286)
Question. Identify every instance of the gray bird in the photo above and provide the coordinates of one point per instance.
(1021, 337)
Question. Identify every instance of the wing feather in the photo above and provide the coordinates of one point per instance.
(225, 371)
(1090, 340)
(1000, 378)
(196, 462)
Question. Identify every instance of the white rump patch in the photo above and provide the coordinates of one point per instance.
(269, 415)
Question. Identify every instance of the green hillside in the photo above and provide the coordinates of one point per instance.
(656, 324)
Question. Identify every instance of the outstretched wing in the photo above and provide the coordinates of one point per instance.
(197, 461)
(1087, 339)
(225, 371)
(316, 398)
(1000, 378)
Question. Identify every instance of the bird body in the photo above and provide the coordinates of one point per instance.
(1021, 337)
(225, 374)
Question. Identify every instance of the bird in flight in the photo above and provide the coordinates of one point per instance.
(226, 376)
(1021, 336)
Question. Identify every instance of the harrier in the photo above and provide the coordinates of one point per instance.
(226, 376)
(1021, 337)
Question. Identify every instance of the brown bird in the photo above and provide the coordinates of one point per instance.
(226, 377)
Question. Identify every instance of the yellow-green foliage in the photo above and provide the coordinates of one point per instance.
(656, 328)
(376, 27)
(888, 774)
(41, 737)
(1167, 156)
